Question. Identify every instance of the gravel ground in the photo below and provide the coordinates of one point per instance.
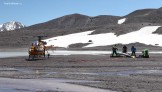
(117, 74)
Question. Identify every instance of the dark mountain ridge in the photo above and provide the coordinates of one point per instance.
(145, 16)
(78, 23)
(75, 21)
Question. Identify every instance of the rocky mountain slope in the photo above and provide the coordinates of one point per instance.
(75, 23)
(145, 15)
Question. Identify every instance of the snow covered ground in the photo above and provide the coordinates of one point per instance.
(144, 35)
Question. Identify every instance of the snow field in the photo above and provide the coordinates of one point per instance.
(144, 35)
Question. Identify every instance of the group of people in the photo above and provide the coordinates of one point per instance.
(124, 50)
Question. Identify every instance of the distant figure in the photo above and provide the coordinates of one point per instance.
(124, 49)
(114, 49)
(133, 49)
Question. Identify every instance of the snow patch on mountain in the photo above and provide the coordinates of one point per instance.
(11, 26)
(144, 35)
(121, 21)
(1, 27)
(65, 41)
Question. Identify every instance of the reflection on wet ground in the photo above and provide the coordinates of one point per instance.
(63, 52)
(117, 73)
(24, 85)
(12, 54)
(133, 72)
(47, 73)
(43, 85)
(59, 52)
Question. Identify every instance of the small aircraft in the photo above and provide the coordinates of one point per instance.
(38, 49)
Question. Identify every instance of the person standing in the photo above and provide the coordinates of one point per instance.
(124, 49)
(133, 49)
(114, 49)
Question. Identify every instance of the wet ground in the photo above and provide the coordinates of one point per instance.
(5, 54)
(50, 71)
(43, 85)
(94, 71)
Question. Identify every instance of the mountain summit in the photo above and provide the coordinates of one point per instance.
(12, 25)
(73, 21)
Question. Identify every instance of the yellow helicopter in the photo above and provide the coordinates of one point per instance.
(39, 50)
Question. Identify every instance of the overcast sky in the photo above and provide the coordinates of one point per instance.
(31, 12)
